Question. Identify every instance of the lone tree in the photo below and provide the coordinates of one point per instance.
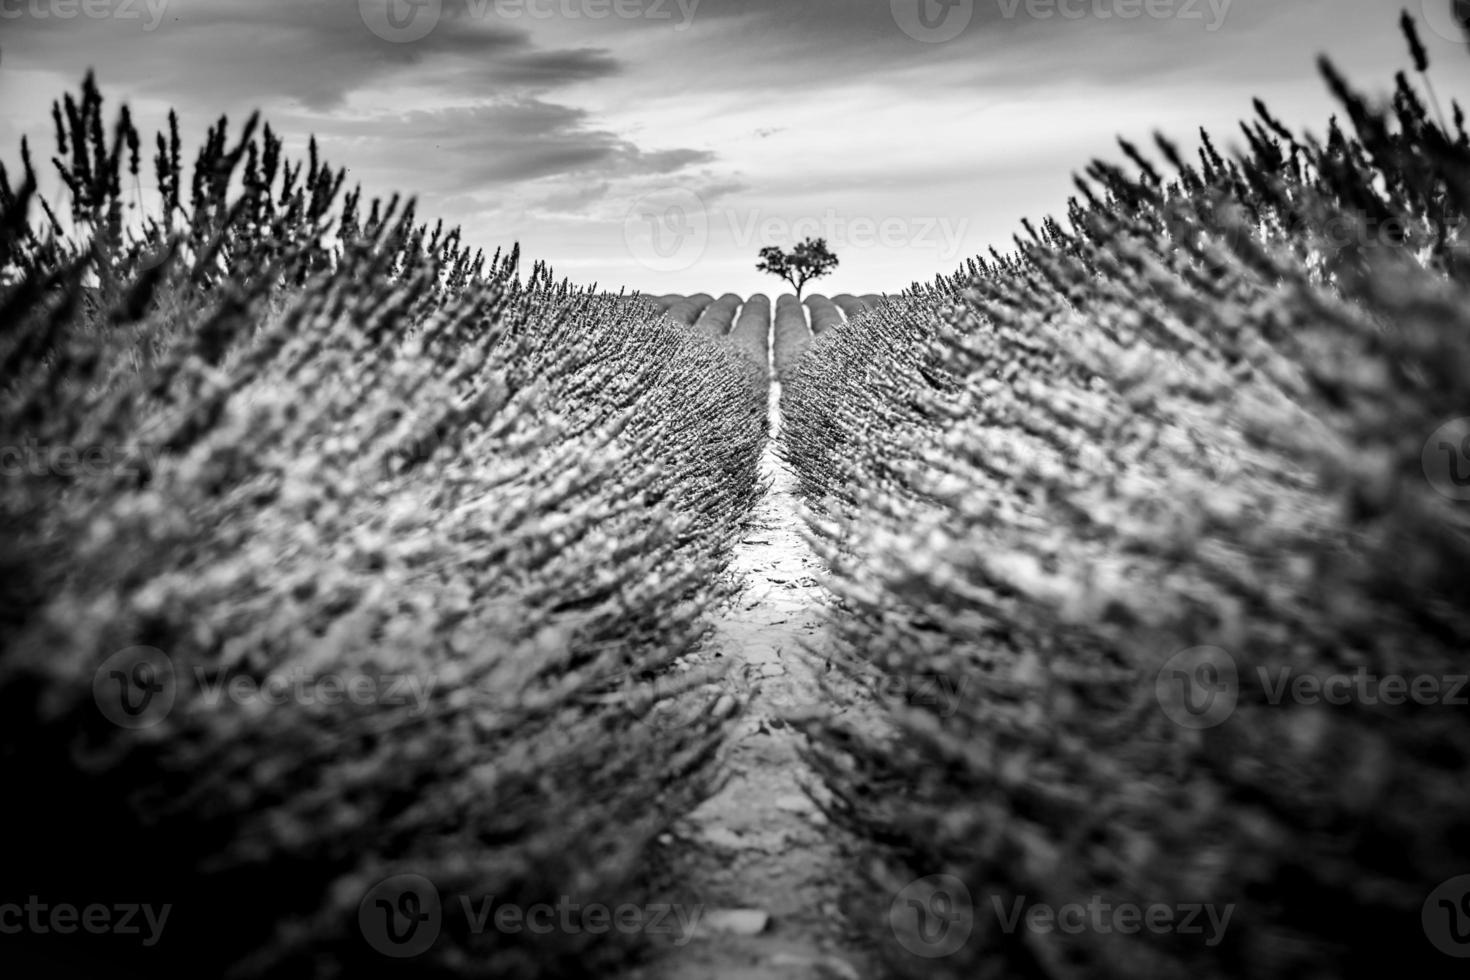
(809, 260)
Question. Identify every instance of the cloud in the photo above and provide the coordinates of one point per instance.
(493, 144)
(313, 52)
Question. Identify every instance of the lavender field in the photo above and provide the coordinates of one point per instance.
(381, 600)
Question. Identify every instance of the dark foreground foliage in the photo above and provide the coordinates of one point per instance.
(1201, 415)
(264, 433)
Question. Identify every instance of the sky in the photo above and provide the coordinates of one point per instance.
(658, 145)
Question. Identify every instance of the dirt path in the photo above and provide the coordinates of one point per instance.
(759, 856)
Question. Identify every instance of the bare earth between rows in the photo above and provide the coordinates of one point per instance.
(760, 858)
